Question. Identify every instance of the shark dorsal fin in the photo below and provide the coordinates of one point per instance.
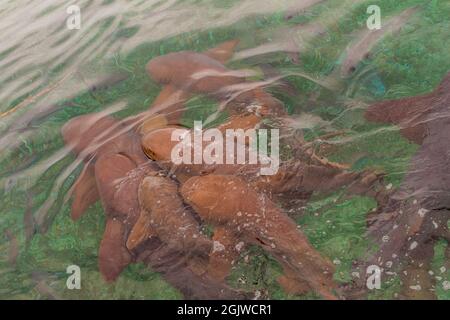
(223, 52)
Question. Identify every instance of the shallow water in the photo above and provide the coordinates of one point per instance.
(305, 53)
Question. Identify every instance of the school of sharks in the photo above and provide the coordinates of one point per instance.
(189, 202)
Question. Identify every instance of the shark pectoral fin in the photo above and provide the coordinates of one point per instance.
(291, 283)
(223, 255)
(85, 192)
(113, 256)
(141, 231)
(223, 52)
(170, 102)
(110, 173)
